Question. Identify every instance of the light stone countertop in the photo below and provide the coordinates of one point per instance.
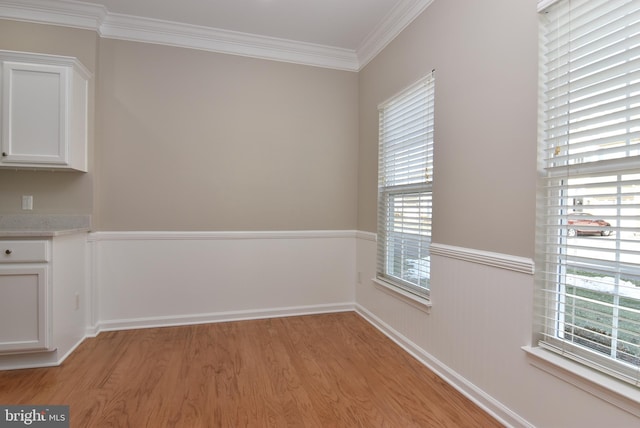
(42, 225)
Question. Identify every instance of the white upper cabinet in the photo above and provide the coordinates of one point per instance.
(43, 111)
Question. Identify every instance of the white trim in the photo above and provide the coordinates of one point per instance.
(36, 359)
(58, 60)
(29, 361)
(420, 302)
(71, 350)
(618, 393)
(490, 405)
(70, 13)
(172, 321)
(92, 298)
(397, 20)
(91, 331)
(146, 30)
(367, 236)
(498, 260)
(23, 365)
(208, 235)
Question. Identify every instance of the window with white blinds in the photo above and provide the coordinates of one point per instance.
(405, 178)
(588, 243)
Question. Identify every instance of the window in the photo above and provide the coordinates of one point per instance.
(405, 178)
(588, 244)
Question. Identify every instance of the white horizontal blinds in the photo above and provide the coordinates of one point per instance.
(406, 130)
(592, 81)
(405, 171)
(590, 233)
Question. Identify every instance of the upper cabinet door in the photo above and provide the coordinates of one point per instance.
(34, 114)
(43, 116)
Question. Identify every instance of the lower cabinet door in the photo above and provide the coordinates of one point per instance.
(24, 312)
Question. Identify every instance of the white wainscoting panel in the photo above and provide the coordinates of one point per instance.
(145, 279)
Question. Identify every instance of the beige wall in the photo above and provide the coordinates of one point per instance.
(53, 192)
(485, 57)
(192, 140)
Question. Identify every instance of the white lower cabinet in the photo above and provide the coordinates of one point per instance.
(25, 315)
(41, 291)
(24, 312)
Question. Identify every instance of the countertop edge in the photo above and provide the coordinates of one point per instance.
(41, 233)
(43, 225)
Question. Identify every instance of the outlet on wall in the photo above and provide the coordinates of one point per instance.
(27, 202)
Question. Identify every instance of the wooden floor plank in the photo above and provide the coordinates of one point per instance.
(331, 370)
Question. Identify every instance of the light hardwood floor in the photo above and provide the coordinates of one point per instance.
(331, 370)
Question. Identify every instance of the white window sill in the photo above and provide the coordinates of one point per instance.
(419, 302)
(616, 392)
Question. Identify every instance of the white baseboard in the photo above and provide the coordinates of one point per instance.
(496, 409)
(36, 360)
(171, 321)
(28, 363)
(91, 331)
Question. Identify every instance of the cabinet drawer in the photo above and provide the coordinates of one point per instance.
(23, 251)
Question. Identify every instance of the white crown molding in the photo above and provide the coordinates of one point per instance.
(125, 27)
(67, 13)
(71, 13)
(393, 24)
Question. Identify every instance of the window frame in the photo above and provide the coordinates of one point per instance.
(392, 218)
(556, 254)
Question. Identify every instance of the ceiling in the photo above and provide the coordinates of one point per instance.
(342, 34)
